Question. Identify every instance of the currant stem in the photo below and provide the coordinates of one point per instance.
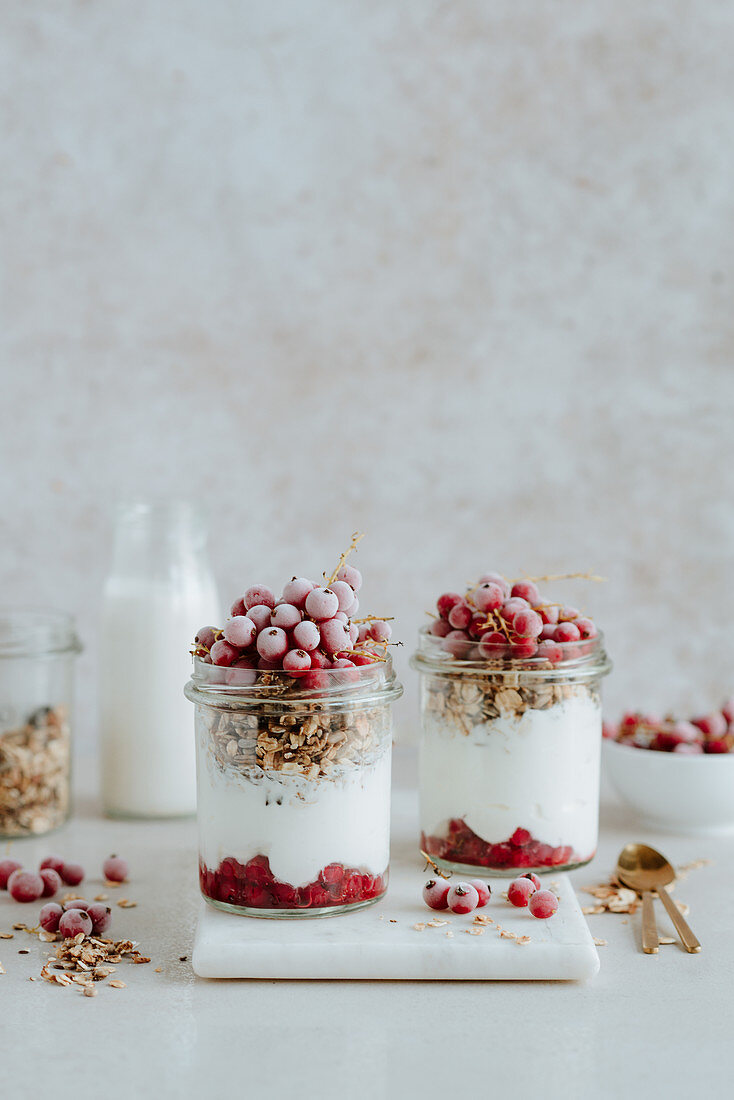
(356, 537)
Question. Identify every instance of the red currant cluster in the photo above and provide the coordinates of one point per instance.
(311, 628)
(526, 892)
(465, 897)
(462, 897)
(712, 733)
(495, 620)
(255, 886)
(75, 915)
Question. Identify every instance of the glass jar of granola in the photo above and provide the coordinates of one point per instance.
(37, 651)
(293, 781)
(509, 756)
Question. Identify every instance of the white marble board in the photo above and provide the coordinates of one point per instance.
(380, 942)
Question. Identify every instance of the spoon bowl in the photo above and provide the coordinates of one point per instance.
(642, 868)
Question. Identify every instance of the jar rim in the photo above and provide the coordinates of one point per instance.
(37, 632)
(582, 660)
(363, 683)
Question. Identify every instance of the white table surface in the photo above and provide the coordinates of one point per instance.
(642, 1023)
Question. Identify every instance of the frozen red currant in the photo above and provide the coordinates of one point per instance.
(115, 869)
(51, 882)
(445, 603)
(74, 921)
(25, 886)
(222, 653)
(296, 590)
(7, 866)
(526, 590)
(488, 597)
(520, 891)
(533, 878)
(322, 604)
(50, 916)
(435, 893)
(543, 904)
(566, 632)
(239, 631)
(460, 616)
(100, 916)
(55, 863)
(527, 624)
(257, 595)
(462, 898)
(72, 873)
(351, 575)
(483, 890)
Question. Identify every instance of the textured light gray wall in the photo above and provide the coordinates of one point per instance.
(456, 274)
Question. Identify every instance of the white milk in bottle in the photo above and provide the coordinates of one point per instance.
(159, 593)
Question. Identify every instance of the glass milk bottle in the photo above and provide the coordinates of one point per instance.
(159, 592)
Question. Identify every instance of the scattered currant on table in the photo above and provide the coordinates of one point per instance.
(520, 891)
(51, 882)
(100, 916)
(435, 893)
(462, 898)
(25, 886)
(7, 866)
(494, 620)
(50, 916)
(115, 869)
(483, 889)
(72, 873)
(543, 904)
(53, 863)
(309, 630)
(74, 921)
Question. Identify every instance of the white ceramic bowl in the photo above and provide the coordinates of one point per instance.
(672, 791)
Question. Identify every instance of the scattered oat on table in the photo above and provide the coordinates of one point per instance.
(419, 926)
(101, 897)
(600, 943)
(116, 984)
(125, 903)
(6, 935)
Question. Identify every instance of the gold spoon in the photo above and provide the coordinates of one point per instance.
(644, 869)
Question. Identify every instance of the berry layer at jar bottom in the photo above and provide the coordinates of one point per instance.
(463, 847)
(252, 885)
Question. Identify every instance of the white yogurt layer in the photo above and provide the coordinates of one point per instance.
(301, 825)
(538, 771)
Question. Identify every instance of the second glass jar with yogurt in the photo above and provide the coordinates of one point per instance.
(509, 755)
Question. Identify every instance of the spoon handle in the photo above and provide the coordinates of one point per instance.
(689, 940)
(650, 939)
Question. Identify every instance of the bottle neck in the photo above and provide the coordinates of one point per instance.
(158, 540)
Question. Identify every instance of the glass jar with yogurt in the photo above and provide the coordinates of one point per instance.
(509, 757)
(37, 651)
(293, 788)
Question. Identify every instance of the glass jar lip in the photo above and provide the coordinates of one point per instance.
(36, 632)
(585, 658)
(362, 682)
